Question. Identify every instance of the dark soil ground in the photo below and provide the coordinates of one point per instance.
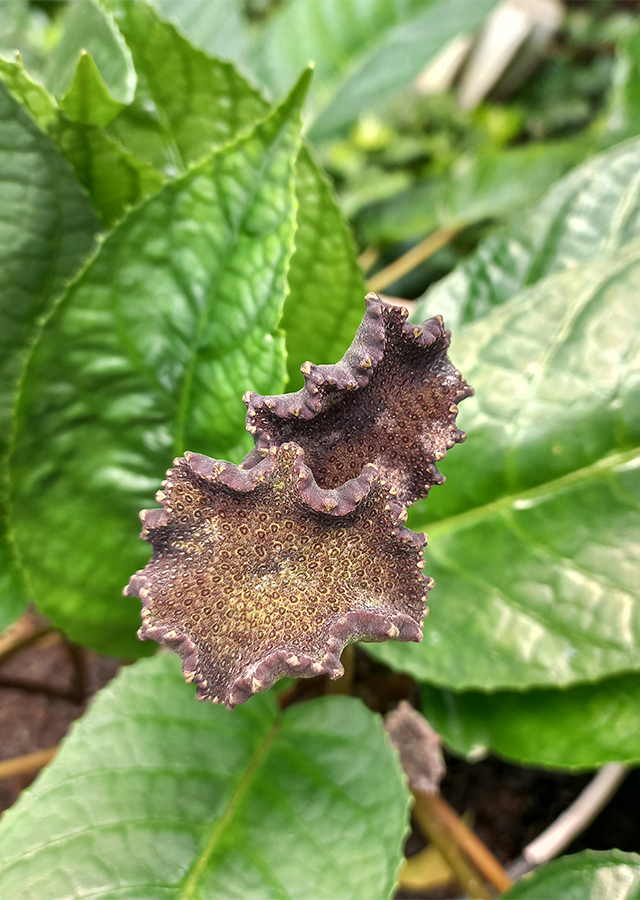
(45, 687)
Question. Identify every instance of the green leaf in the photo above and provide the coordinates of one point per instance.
(594, 209)
(333, 34)
(88, 27)
(186, 104)
(582, 727)
(155, 796)
(485, 186)
(217, 28)
(591, 875)
(148, 355)
(397, 60)
(88, 99)
(326, 287)
(624, 112)
(46, 232)
(113, 177)
(533, 543)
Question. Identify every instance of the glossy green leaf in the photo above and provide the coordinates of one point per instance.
(156, 796)
(333, 34)
(46, 232)
(217, 28)
(89, 27)
(484, 186)
(326, 287)
(148, 355)
(113, 177)
(186, 104)
(594, 209)
(534, 540)
(591, 875)
(394, 62)
(580, 727)
(88, 99)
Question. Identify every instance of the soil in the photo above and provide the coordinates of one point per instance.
(46, 686)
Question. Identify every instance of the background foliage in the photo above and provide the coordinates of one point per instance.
(168, 240)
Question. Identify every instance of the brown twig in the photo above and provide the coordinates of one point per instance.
(411, 259)
(30, 762)
(26, 631)
(368, 258)
(454, 838)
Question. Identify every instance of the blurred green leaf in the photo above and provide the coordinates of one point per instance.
(89, 27)
(326, 287)
(218, 28)
(593, 209)
(112, 176)
(88, 99)
(581, 727)
(154, 795)
(396, 60)
(147, 356)
(186, 103)
(591, 875)
(534, 542)
(481, 186)
(624, 111)
(46, 232)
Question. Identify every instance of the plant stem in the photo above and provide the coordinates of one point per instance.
(30, 762)
(411, 259)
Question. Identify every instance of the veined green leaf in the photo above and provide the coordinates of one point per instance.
(534, 541)
(326, 287)
(148, 355)
(582, 727)
(88, 99)
(217, 28)
(397, 60)
(46, 232)
(90, 27)
(584, 876)
(186, 104)
(594, 209)
(155, 796)
(113, 177)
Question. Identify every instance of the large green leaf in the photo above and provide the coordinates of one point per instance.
(186, 103)
(487, 185)
(154, 796)
(397, 59)
(112, 176)
(594, 209)
(89, 27)
(326, 287)
(534, 541)
(217, 28)
(148, 355)
(581, 727)
(46, 232)
(590, 875)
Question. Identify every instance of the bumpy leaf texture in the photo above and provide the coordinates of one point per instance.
(391, 400)
(259, 573)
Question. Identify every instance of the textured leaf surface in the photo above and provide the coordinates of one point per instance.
(88, 99)
(594, 209)
(534, 548)
(218, 28)
(591, 875)
(485, 186)
(581, 727)
(88, 27)
(149, 354)
(326, 287)
(397, 59)
(46, 231)
(113, 177)
(156, 797)
(186, 103)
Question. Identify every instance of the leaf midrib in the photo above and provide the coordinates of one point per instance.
(234, 801)
(549, 488)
